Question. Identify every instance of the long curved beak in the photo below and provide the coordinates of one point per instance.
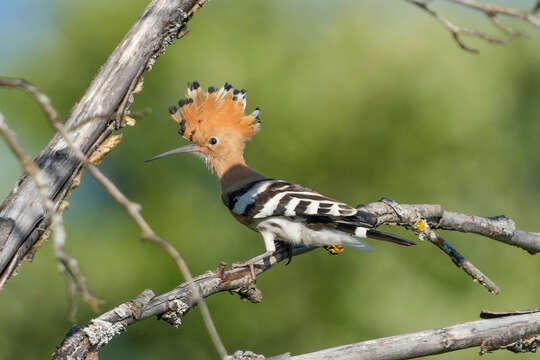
(182, 150)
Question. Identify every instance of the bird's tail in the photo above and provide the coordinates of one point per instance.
(363, 231)
(374, 234)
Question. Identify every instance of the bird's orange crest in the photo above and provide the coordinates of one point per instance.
(201, 115)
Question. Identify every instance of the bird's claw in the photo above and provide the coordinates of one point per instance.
(289, 247)
(334, 249)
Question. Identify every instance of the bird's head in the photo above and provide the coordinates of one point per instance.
(216, 125)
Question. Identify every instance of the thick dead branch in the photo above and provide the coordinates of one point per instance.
(22, 218)
(515, 333)
(492, 12)
(76, 281)
(170, 306)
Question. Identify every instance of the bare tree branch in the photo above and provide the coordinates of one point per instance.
(505, 28)
(426, 233)
(76, 281)
(514, 331)
(68, 264)
(111, 93)
(498, 228)
(455, 30)
(165, 16)
(170, 306)
(491, 11)
(421, 218)
(22, 219)
(517, 333)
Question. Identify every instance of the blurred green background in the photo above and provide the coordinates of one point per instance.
(359, 100)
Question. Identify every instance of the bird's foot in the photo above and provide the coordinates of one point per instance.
(334, 249)
(289, 246)
(250, 263)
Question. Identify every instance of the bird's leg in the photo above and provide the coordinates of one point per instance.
(289, 254)
(289, 247)
(268, 238)
(334, 249)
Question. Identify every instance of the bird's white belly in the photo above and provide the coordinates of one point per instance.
(298, 233)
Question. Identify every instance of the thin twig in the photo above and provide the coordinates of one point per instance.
(456, 30)
(128, 114)
(506, 29)
(492, 11)
(413, 220)
(76, 281)
(133, 209)
(68, 265)
(527, 16)
(459, 260)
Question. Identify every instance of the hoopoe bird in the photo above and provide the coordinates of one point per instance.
(217, 126)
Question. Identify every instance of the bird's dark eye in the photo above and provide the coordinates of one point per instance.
(213, 141)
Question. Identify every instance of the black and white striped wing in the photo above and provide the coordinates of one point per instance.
(269, 198)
